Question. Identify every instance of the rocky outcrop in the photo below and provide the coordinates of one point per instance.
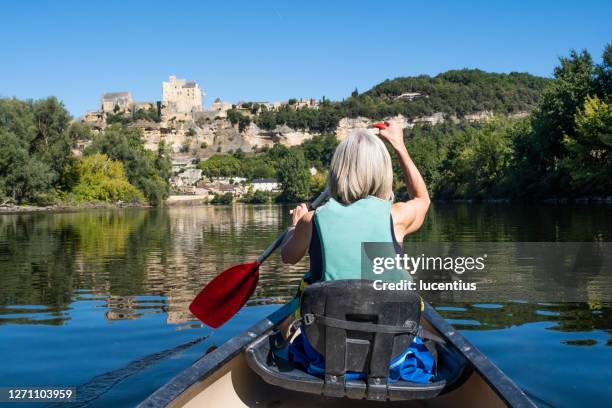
(481, 116)
(207, 134)
(283, 134)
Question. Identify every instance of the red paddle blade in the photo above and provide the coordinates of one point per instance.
(225, 294)
(380, 125)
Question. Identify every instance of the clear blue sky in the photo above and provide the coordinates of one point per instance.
(273, 50)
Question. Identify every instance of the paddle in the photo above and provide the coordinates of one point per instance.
(380, 125)
(223, 296)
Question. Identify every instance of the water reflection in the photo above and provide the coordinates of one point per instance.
(137, 261)
(81, 285)
(566, 317)
(154, 261)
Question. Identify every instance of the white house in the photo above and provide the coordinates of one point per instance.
(265, 184)
(228, 180)
(411, 96)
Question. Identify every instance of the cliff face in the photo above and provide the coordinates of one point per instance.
(205, 138)
(208, 135)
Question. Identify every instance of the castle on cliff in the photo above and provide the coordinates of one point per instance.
(181, 99)
(180, 96)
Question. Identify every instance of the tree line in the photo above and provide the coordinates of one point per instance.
(38, 166)
(560, 150)
(453, 93)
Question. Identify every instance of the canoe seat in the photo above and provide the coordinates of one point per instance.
(356, 329)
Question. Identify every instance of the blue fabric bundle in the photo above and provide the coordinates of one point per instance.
(415, 364)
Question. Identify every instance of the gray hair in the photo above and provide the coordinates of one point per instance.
(361, 167)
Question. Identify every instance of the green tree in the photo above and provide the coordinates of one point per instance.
(236, 117)
(163, 161)
(220, 165)
(102, 179)
(320, 149)
(603, 75)
(318, 181)
(258, 197)
(294, 176)
(555, 117)
(223, 199)
(589, 162)
(267, 120)
(151, 115)
(43, 130)
(22, 178)
(258, 166)
(479, 160)
(126, 145)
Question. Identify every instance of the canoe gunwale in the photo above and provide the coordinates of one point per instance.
(208, 364)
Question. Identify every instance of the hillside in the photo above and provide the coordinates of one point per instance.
(456, 93)
(459, 92)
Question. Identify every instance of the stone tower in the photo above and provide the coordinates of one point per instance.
(181, 96)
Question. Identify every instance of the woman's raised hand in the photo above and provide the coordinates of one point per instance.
(394, 134)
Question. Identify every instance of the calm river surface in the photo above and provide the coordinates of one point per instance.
(98, 299)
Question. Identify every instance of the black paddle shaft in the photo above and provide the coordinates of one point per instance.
(281, 238)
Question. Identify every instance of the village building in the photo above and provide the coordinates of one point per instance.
(219, 108)
(229, 180)
(265, 184)
(270, 106)
(410, 96)
(180, 96)
(116, 102)
(216, 187)
(144, 106)
(311, 103)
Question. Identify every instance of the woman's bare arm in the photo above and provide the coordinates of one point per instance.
(298, 239)
(407, 216)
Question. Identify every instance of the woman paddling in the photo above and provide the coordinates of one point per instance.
(360, 209)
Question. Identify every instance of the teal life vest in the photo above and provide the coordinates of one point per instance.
(341, 230)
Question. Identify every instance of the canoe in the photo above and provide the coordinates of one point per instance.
(222, 378)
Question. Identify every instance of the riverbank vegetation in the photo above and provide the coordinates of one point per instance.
(560, 150)
(38, 166)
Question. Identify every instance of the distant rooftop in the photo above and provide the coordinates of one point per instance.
(190, 84)
(264, 180)
(115, 95)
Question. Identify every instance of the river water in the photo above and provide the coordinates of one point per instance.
(98, 299)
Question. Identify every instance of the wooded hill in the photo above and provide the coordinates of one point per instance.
(460, 92)
(456, 93)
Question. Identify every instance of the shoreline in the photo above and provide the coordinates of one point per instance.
(196, 200)
(57, 208)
